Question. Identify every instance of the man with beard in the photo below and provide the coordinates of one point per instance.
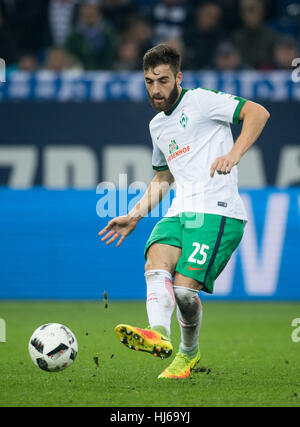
(189, 248)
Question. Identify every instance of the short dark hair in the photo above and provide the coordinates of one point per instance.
(162, 54)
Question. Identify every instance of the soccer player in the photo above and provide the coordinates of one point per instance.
(187, 249)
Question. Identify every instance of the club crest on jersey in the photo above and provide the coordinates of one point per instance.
(183, 119)
(173, 146)
(175, 151)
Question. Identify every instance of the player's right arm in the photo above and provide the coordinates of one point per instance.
(122, 226)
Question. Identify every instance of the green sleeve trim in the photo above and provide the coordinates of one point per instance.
(211, 90)
(160, 168)
(236, 116)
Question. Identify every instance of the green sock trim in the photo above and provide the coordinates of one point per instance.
(162, 330)
(190, 353)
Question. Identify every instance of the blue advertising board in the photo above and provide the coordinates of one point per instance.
(50, 248)
(101, 86)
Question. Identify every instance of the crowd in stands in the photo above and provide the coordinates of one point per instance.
(222, 35)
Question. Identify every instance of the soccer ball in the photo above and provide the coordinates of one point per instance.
(53, 347)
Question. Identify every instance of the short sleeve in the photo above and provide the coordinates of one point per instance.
(219, 105)
(158, 159)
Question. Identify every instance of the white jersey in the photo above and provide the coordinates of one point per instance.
(187, 140)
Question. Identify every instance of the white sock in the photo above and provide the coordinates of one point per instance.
(189, 315)
(160, 300)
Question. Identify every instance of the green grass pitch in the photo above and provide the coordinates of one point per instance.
(248, 358)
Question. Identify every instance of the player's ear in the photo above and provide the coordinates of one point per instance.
(179, 78)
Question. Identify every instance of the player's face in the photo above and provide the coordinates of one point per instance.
(162, 87)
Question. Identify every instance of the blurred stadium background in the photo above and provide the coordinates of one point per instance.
(74, 113)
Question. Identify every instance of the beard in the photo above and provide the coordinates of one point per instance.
(167, 103)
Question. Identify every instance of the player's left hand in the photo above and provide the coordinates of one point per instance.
(224, 164)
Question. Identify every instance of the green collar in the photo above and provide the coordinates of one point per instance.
(169, 112)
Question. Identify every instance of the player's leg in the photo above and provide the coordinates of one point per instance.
(162, 252)
(160, 266)
(189, 315)
(205, 252)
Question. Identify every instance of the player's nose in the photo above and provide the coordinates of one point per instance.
(156, 88)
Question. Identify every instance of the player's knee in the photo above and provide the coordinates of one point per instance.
(188, 301)
(147, 265)
(157, 265)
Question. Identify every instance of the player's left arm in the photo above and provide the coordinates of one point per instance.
(254, 117)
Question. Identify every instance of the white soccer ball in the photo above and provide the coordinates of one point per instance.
(53, 347)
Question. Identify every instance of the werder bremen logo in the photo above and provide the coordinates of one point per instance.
(173, 146)
(184, 119)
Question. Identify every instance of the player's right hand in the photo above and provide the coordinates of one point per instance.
(121, 227)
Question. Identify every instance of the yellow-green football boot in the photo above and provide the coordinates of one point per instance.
(148, 340)
(181, 366)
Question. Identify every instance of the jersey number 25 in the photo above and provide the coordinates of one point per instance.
(202, 251)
